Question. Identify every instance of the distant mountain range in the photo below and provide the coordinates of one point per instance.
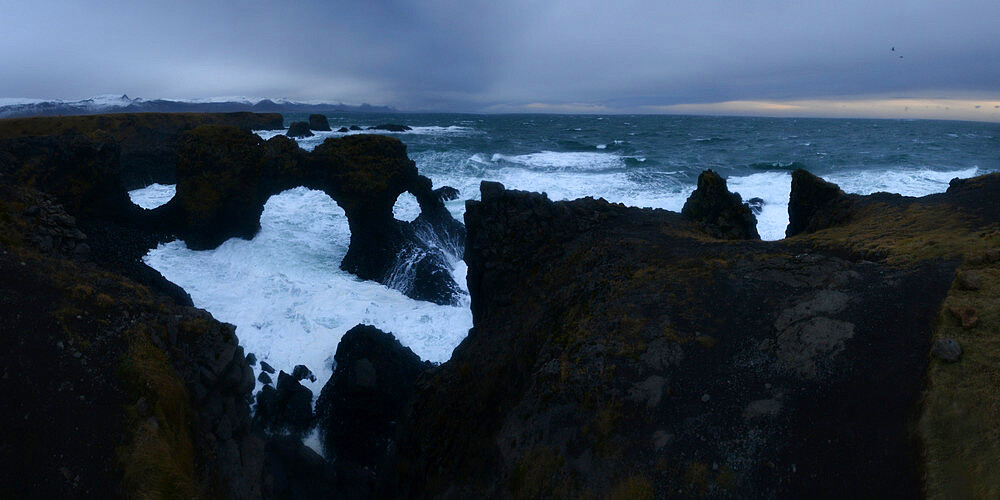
(10, 108)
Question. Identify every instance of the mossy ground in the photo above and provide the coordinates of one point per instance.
(960, 422)
(110, 321)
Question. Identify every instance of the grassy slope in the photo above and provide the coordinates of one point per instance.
(960, 425)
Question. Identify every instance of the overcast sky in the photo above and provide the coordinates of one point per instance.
(501, 56)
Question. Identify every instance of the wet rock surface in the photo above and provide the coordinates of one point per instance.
(359, 407)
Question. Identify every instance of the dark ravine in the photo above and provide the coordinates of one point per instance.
(616, 352)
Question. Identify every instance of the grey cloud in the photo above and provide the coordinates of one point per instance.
(451, 55)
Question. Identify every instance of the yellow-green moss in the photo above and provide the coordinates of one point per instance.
(960, 425)
(158, 460)
(904, 235)
(540, 474)
(632, 488)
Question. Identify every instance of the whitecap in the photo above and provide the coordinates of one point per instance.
(153, 195)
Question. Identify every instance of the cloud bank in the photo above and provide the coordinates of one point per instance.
(628, 56)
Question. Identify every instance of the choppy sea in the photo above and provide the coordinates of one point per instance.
(291, 303)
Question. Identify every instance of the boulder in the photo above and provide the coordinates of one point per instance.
(355, 128)
(301, 372)
(756, 205)
(299, 129)
(947, 350)
(343, 129)
(719, 212)
(358, 408)
(319, 123)
(266, 367)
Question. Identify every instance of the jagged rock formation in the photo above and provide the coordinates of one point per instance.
(719, 212)
(287, 407)
(603, 362)
(360, 405)
(815, 204)
(319, 122)
(226, 175)
(299, 129)
(147, 141)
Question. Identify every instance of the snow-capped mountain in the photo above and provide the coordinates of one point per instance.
(112, 103)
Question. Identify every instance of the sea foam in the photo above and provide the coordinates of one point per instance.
(289, 299)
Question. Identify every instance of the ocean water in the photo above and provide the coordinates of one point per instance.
(291, 303)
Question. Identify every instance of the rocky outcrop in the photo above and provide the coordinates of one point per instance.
(815, 204)
(147, 141)
(613, 353)
(226, 175)
(299, 130)
(719, 212)
(358, 408)
(319, 123)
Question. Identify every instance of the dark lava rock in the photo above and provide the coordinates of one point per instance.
(295, 471)
(264, 378)
(288, 406)
(148, 141)
(355, 128)
(299, 129)
(718, 212)
(266, 367)
(815, 204)
(947, 350)
(391, 127)
(756, 205)
(359, 406)
(781, 344)
(319, 122)
(301, 372)
(343, 129)
(252, 359)
(446, 193)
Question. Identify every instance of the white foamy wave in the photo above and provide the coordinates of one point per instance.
(153, 195)
(905, 182)
(772, 187)
(406, 208)
(556, 160)
(310, 143)
(289, 299)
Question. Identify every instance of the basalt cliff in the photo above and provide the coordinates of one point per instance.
(616, 352)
